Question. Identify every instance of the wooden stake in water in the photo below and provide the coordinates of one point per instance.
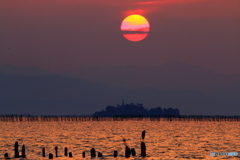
(115, 153)
(50, 156)
(93, 152)
(143, 134)
(70, 154)
(127, 152)
(16, 153)
(100, 154)
(83, 154)
(6, 156)
(133, 152)
(56, 151)
(143, 149)
(66, 151)
(43, 152)
(23, 152)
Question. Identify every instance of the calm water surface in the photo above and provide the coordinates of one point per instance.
(164, 140)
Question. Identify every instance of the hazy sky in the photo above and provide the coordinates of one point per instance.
(67, 34)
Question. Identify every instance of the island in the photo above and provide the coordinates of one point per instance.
(135, 110)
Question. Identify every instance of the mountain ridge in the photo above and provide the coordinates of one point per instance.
(168, 76)
(26, 70)
(171, 75)
(59, 95)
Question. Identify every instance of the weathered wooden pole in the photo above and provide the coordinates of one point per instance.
(127, 152)
(93, 152)
(70, 154)
(16, 153)
(115, 153)
(56, 151)
(83, 154)
(133, 152)
(65, 151)
(143, 149)
(50, 156)
(100, 154)
(6, 156)
(143, 134)
(23, 152)
(43, 152)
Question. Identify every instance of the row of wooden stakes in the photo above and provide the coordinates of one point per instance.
(128, 152)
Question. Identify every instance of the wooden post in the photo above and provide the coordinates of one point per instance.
(133, 152)
(16, 153)
(70, 154)
(143, 134)
(83, 154)
(56, 151)
(50, 156)
(115, 153)
(100, 154)
(66, 151)
(43, 152)
(127, 152)
(6, 156)
(93, 152)
(23, 152)
(143, 149)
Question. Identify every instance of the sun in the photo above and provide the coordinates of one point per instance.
(135, 28)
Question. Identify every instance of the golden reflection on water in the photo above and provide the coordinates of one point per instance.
(164, 140)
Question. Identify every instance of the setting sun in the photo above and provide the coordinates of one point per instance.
(135, 28)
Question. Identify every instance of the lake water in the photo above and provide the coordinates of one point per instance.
(164, 139)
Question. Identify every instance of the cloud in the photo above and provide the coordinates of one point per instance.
(138, 30)
(166, 2)
(140, 11)
(136, 11)
(146, 7)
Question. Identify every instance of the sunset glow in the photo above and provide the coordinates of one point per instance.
(135, 37)
(135, 24)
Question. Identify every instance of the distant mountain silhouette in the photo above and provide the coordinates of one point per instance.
(135, 110)
(24, 71)
(169, 76)
(35, 91)
(63, 95)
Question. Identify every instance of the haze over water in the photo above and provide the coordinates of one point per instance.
(164, 139)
